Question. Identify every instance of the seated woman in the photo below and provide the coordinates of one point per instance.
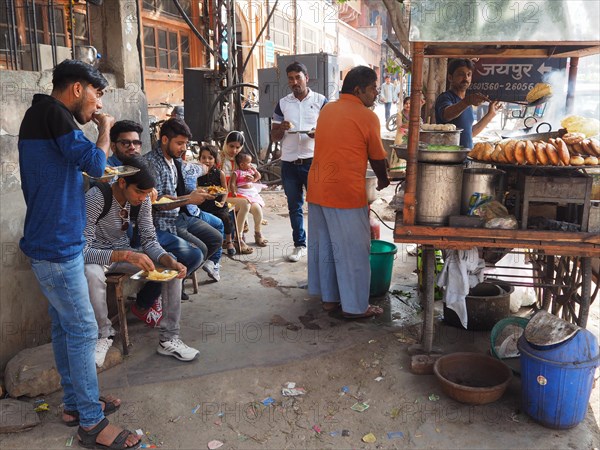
(234, 143)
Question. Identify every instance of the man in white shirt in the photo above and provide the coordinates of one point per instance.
(294, 120)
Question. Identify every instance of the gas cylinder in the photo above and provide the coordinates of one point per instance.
(374, 225)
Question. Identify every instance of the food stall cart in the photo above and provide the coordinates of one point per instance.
(537, 29)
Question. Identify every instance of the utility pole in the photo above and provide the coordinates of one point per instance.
(225, 39)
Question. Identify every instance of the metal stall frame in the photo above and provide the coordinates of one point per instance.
(577, 244)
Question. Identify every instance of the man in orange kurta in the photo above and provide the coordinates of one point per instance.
(347, 136)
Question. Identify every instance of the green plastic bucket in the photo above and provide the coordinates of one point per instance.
(382, 264)
(506, 332)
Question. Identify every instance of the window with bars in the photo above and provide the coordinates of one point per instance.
(309, 40)
(164, 49)
(23, 25)
(280, 30)
(167, 7)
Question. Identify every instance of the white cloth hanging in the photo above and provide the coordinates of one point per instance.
(462, 270)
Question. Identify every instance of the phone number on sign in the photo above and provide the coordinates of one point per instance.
(505, 86)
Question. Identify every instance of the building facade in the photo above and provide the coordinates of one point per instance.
(142, 47)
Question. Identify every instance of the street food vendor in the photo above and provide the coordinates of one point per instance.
(456, 105)
(338, 212)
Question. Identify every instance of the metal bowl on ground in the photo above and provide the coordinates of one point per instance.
(435, 154)
(472, 378)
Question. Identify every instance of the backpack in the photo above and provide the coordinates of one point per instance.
(134, 211)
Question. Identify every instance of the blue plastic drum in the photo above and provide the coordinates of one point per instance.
(557, 378)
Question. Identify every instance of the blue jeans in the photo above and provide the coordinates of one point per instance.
(217, 224)
(201, 234)
(188, 255)
(388, 110)
(74, 334)
(295, 179)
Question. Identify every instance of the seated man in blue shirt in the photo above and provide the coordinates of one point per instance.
(166, 162)
(456, 105)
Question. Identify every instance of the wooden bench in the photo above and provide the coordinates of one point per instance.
(116, 287)
(115, 294)
(194, 280)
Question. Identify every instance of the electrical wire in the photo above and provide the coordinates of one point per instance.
(381, 220)
(196, 32)
(259, 36)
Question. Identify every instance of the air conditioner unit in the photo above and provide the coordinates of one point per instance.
(43, 55)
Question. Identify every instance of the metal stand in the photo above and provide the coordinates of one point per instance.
(427, 333)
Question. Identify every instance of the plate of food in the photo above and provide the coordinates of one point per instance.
(214, 189)
(112, 172)
(160, 275)
(218, 191)
(165, 203)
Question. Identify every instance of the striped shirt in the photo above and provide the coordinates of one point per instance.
(105, 236)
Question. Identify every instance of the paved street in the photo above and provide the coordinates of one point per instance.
(258, 329)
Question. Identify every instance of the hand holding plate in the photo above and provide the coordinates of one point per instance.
(181, 269)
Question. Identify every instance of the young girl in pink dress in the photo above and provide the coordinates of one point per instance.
(243, 184)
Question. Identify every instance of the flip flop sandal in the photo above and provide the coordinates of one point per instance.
(260, 240)
(246, 250)
(243, 250)
(330, 306)
(87, 438)
(109, 408)
(371, 311)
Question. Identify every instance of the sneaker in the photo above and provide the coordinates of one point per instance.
(298, 253)
(216, 275)
(153, 317)
(216, 272)
(176, 348)
(212, 270)
(102, 346)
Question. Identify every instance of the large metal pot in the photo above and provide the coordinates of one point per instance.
(484, 181)
(438, 192)
(440, 137)
(487, 303)
(434, 156)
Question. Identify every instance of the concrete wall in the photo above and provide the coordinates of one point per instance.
(23, 309)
